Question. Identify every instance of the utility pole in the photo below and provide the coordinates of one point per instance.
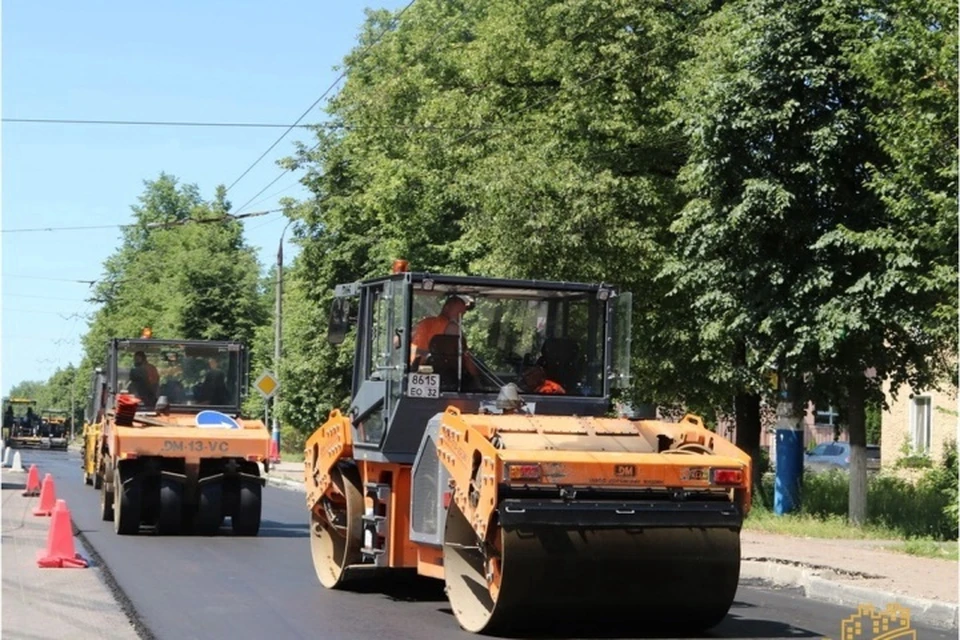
(277, 335)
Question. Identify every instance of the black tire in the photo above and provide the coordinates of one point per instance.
(246, 520)
(126, 505)
(87, 478)
(209, 514)
(106, 500)
(170, 515)
(98, 482)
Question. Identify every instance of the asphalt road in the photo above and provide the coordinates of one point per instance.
(265, 587)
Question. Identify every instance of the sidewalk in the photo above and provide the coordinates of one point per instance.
(846, 572)
(50, 603)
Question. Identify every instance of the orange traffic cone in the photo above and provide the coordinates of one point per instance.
(60, 552)
(33, 482)
(48, 497)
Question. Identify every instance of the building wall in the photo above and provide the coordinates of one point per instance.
(899, 423)
(813, 431)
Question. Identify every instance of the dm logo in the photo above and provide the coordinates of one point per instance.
(625, 471)
(215, 420)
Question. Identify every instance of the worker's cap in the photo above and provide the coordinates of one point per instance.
(468, 301)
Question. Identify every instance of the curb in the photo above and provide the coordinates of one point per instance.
(943, 615)
(284, 483)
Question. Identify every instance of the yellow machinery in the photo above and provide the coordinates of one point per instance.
(21, 423)
(53, 428)
(165, 442)
(93, 417)
(478, 449)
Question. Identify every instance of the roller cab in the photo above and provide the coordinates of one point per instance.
(479, 449)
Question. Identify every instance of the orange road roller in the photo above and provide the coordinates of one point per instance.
(480, 448)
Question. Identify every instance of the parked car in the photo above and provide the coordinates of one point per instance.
(836, 455)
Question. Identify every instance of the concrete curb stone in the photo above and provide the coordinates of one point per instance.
(943, 615)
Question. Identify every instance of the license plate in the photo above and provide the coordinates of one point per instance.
(423, 385)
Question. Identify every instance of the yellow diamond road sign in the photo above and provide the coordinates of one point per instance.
(267, 384)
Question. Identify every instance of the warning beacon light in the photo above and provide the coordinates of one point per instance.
(146, 333)
(400, 266)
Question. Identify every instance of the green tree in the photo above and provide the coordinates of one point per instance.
(512, 139)
(182, 269)
(787, 246)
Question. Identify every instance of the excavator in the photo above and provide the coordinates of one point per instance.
(480, 448)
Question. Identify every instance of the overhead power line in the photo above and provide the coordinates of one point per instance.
(150, 225)
(158, 123)
(15, 275)
(315, 103)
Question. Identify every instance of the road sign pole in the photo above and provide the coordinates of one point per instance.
(268, 385)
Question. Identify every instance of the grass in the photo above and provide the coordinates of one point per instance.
(896, 509)
(929, 549)
(814, 526)
(291, 457)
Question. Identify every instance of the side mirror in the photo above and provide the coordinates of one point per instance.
(340, 320)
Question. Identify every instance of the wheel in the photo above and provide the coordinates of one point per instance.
(126, 505)
(246, 519)
(98, 481)
(87, 478)
(106, 499)
(209, 514)
(336, 533)
(170, 517)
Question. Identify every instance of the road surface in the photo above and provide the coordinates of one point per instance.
(265, 587)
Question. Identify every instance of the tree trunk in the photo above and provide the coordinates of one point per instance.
(857, 430)
(747, 407)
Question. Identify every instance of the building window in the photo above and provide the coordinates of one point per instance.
(920, 423)
(826, 418)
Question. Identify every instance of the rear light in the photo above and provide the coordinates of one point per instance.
(128, 456)
(254, 458)
(446, 499)
(524, 471)
(727, 476)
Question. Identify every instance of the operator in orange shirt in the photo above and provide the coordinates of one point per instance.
(535, 381)
(446, 323)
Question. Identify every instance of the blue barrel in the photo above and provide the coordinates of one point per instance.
(786, 492)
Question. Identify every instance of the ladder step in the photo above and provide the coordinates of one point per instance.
(376, 523)
(378, 556)
(382, 491)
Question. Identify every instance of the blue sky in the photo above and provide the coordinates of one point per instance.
(214, 60)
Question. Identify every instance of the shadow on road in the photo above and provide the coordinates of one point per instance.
(401, 586)
(271, 529)
(18, 486)
(732, 626)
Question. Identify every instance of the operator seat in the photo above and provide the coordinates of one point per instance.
(561, 362)
(443, 357)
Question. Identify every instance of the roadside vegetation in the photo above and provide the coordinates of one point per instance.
(923, 512)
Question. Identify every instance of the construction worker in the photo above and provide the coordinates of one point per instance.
(213, 390)
(144, 379)
(536, 381)
(447, 322)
